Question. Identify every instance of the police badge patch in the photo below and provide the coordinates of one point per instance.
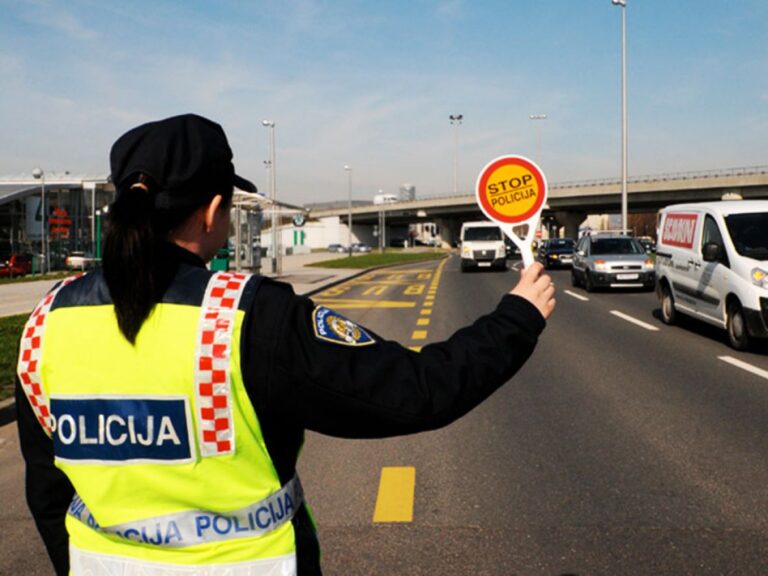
(333, 327)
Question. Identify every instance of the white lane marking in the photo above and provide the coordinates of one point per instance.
(634, 321)
(745, 366)
(577, 296)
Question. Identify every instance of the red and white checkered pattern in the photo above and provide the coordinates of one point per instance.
(212, 368)
(30, 352)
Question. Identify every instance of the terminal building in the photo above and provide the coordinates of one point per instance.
(50, 215)
(46, 217)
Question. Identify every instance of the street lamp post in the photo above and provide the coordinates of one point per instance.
(455, 122)
(276, 260)
(38, 174)
(538, 140)
(623, 5)
(348, 170)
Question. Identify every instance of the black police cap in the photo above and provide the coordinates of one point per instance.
(186, 157)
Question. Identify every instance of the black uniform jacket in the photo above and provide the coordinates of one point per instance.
(297, 382)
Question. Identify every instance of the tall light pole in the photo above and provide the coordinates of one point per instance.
(538, 140)
(38, 174)
(348, 170)
(276, 260)
(623, 5)
(455, 122)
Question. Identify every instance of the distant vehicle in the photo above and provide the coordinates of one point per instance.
(80, 261)
(648, 244)
(611, 261)
(361, 247)
(336, 248)
(482, 246)
(16, 265)
(556, 252)
(385, 199)
(712, 264)
(512, 250)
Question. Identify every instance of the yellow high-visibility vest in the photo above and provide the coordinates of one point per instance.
(159, 439)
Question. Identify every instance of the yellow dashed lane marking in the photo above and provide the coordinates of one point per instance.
(396, 492)
(426, 311)
(419, 335)
(422, 322)
(415, 348)
(350, 304)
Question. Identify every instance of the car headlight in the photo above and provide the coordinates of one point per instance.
(600, 265)
(648, 264)
(554, 256)
(501, 251)
(465, 251)
(759, 277)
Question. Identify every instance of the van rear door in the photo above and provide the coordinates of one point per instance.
(679, 239)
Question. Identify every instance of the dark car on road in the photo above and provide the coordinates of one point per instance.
(556, 252)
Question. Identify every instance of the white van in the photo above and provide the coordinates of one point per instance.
(482, 246)
(712, 264)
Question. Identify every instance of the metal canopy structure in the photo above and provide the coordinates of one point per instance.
(248, 215)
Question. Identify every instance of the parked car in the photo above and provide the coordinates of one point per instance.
(80, 261)
(337, 248)
(711, 264)
(611, 261)
(361, 247)
(16, 265)
(556, 252)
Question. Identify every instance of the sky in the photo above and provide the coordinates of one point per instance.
(371, 85)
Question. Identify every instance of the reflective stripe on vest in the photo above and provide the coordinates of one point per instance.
(212, 372)
(192, 527)
(88, 563)
(30, 352)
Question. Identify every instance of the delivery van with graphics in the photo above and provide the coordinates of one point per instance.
(482, 246)
(712, 264)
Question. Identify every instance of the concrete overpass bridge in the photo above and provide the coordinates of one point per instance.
(569, 203)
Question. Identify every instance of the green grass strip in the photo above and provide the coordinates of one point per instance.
(373, 260)
(10, 334)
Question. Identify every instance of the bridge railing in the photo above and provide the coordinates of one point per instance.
(717, 173)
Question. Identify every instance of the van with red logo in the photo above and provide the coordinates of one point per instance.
(712, 264)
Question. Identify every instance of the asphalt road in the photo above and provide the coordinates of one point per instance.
(620, 448)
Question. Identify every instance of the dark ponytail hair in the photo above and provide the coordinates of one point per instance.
(135, 262)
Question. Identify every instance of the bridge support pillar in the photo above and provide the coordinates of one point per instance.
(447, 230)
(571, 222)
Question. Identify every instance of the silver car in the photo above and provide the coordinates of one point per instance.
(611, 261)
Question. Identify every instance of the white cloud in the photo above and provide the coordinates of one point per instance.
(56, 16)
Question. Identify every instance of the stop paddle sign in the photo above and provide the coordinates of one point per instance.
(511, 191)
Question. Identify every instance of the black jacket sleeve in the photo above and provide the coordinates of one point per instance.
(49, 492)
(383, 389)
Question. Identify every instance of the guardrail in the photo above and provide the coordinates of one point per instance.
(743, 171)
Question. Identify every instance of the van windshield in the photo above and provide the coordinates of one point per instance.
(485, 233)
(749, 233)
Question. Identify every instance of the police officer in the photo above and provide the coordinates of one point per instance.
(162, 407)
